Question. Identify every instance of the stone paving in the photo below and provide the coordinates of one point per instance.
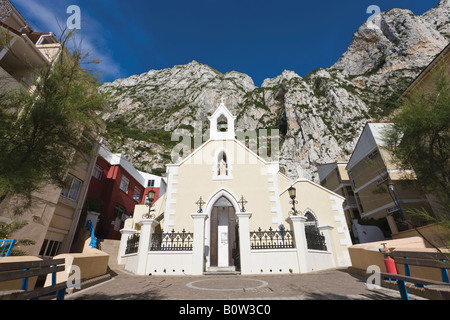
(323, 285)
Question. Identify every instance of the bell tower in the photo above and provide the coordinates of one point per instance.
(221, 123)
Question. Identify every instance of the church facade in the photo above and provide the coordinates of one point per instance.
(228, 209)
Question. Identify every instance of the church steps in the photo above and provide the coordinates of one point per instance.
(214, 271)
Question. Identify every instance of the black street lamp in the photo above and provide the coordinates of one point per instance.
(151, 197)
(292, 194)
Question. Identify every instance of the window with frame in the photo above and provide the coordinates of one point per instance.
(383, 179)
(124, 183)
(98, 172)
(119, 211)
(311, 222)
(222, 165)
(49, 248)
(151, 183)
(372, 154)
(72, 189)
(314, 238)
(137, 194)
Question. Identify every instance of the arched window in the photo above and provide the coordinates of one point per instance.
(222, 164)
(311, 222)
(314, 238)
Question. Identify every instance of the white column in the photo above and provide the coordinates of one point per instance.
(298, 225)
(147, 227)
(126, 233)
(244, 242)
(198, 248)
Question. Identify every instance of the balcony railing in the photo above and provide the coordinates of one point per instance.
(6, 246)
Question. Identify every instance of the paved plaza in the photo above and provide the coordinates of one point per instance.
(322, 285)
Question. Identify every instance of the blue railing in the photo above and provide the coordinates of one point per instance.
(6, 246)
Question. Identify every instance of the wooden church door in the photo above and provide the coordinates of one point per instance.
(214, 237)
(222, 236)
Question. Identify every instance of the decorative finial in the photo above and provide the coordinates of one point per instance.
(242, 202)
(200, 204)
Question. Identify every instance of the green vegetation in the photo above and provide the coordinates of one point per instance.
(376, 68)
(40, 130)
(319, 87)
(420, 140)
(120, 128)
(8, 229)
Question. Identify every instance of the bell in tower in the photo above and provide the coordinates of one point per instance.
(222, 123)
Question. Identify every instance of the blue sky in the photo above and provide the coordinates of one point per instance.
(259, 38)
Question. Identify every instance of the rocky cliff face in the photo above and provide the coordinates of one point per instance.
(319, 117)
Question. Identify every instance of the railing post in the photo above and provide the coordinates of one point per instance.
(147, 228)
(11, 246)
(126, 233)
(301, 245)
(7, 244)
(244, 242)
(198, 247)
(25, 282)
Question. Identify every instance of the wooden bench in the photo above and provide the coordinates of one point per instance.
(422, 259)
(26, 269)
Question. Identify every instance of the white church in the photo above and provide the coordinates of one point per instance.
(226, 209)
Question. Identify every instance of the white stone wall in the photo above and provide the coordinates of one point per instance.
(169, 263)
(268, 261)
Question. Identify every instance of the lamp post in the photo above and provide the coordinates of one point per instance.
(391, 187)
(292, 194)
(151, 198)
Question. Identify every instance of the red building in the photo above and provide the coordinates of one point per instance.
(115, 188)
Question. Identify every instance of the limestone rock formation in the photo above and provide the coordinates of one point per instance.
(319, 117)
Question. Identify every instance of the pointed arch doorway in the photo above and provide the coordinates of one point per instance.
(224, 248)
